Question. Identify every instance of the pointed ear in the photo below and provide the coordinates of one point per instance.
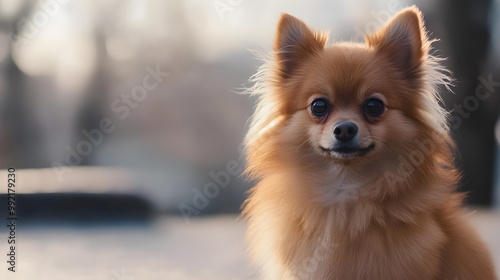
(403, 40)
(294, 42)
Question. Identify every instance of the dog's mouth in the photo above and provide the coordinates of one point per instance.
(347, 152)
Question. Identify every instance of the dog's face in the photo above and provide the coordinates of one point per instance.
(352, 102)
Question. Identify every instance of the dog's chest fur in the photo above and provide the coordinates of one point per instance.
(336, 248)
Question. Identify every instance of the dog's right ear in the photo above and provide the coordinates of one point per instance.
(295, 41)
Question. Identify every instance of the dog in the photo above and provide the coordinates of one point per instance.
(354, 163)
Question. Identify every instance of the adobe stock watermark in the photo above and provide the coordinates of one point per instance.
(222, 7)
(380, 18)
(122, 107)
(408, 165)
(322, 251)
(220, 180)
(471, 103)
(30, 27)
(121, 274)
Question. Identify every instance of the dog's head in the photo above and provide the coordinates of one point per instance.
(349, 105)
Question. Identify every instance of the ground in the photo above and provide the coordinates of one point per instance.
(167, 248)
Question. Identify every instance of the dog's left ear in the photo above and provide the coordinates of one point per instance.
(402, 40)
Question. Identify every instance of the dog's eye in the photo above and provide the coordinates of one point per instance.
(319, 107)
(374, 107)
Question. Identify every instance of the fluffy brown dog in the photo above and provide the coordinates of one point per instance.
(355, 163)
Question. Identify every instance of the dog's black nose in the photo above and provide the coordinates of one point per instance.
(345, 131)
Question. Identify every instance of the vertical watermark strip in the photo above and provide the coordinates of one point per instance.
(11, 222)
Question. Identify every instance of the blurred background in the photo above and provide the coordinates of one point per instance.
(124, 122)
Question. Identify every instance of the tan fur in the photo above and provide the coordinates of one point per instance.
(390, 214)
